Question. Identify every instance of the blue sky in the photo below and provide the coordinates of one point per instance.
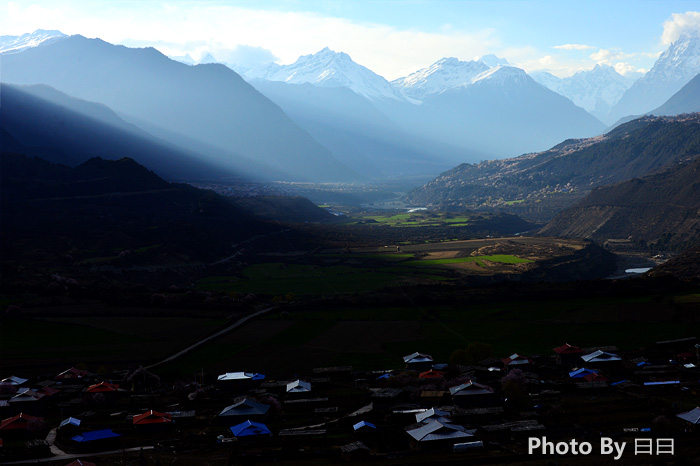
(391, 37)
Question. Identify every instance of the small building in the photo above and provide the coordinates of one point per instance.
(249, 429)
(298, 386)
(581, 373)
(14, 380)
(69, 427)
(692, 416)
(102, 387)
(19, 423)
(103, 439)
(418, 362)
(432, 414)
(470, 394)
(568, 354)
(364, 426)
(515, 361)
(437, 434)
(356, 451)
(80, 462)
(153, 421)
(72, 374)
(239, 380)
(431, 374)
(600, 357)
(245, 408)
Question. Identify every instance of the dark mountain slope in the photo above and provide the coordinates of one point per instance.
(102, 207)
(204, 107)
(42, 122)
(546, 182)
(660, 210)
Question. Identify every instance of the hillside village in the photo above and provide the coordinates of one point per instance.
(485, 412)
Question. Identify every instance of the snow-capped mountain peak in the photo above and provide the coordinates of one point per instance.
(595, 90)
(328, 68)
(492, 60)
(676, 66)
(444, 74)
(15, 44)
(502, 75)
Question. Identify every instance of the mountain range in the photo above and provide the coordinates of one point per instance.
(40, 121)
(204, 108)
(596, 90)
(541, 184)
(676, 66)
(327, 118)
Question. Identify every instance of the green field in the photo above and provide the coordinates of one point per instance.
(376, 337)
(416, 219)
(279, 279)
(499, 258)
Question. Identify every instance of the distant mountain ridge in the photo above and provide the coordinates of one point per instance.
(543, 183)
(204, 108)
(327, 68)
(444, 74)
(596, 90)
(676, 66)
(686, 100)
(15, 44)
(501, 112)
(43, 122)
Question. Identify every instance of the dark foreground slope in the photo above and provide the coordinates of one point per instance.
(103, 210)
(537, 186)
(660, 211)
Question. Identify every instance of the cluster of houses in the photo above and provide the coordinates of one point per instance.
(425, 407)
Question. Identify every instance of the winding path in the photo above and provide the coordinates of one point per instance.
(206, 340)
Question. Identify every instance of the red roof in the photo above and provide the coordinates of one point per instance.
(48, 391)
(595, 377)
(515, 359)
(152, 417)
(81, 463)
(568, 349)
(16, 422)
(431, 374)
(72, 373)
(102, 387)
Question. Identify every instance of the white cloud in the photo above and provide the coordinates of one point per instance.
(680, 23)
(626, 68)
(574, 47)
(389, 51)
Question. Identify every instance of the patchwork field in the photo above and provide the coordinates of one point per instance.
(342, 271)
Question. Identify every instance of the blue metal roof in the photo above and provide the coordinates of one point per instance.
(581, 373)
(71, 420)
(95, 435)
(362, 424)
(249, 428)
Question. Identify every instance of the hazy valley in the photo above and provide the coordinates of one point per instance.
(166, 221)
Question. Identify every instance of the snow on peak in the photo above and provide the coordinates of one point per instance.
(679, 62)
(492, 60)
(207, 59)
(15, 44)
(596, 90)
(327, 68)
(444, 74)
(502, 74)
